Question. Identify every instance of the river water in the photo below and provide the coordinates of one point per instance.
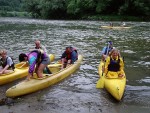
(78, 93)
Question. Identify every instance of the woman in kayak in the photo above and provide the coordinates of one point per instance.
(114, 63)
(36, 58)
(6, 62)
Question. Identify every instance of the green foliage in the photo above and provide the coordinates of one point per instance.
(52, 8)
(76, 9)
(9, 5)
(135, 8)
(72, 7)
(141, 8)
(102, 6)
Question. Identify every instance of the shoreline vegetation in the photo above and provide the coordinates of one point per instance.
(100, 10)
(89, 17)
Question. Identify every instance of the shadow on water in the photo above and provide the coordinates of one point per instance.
(78, 93)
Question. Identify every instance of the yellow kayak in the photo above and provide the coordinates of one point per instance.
(115, 27)
(20, 71)
(35, 84)
(114, 85)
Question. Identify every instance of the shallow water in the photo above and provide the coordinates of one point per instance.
(78, 93)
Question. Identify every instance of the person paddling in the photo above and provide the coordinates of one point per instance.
(106, 50)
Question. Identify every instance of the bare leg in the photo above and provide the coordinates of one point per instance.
(63, 61)
(29, 76)
(37, 66)
(40, 70)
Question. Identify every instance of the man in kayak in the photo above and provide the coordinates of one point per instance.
(114, 63)
(106, 50)
(69, 56)
(6, 62)
(39, 46)
(36, 58)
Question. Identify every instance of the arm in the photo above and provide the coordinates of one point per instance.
(106, 65)
(121, 72)
(121, 65)
(32, 63)
(44, 48)
(63, 55)
(73, 57)
(103, 50)
(5, 68)
(103, 54)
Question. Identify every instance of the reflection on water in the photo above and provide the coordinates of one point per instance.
(78, 93)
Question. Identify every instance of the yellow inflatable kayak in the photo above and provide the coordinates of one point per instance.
(21, 70)
(35, 84)
(114, 85)
(115, 27)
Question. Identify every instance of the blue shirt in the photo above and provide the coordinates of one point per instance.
(106, 50)
(73, 56)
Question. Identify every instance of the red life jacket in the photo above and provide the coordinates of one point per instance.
(68, 54)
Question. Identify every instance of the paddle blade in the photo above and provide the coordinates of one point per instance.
(100, 83)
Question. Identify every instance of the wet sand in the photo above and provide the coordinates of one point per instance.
(56, 99)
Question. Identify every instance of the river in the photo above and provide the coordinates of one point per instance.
(77, 93)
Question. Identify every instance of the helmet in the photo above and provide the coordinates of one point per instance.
(110, 43)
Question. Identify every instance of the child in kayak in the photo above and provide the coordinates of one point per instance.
(114, 63)
(6, 62)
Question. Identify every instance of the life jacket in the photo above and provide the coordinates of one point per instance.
(39, 59)
(38, 48)
(107, 49)
(5, 63)
(68, 55)
(40, 55)
(114, 65)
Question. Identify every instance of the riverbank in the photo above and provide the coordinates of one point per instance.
(116, 18)
(15, 14)
(86, 17)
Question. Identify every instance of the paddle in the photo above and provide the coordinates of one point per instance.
(100, 82)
